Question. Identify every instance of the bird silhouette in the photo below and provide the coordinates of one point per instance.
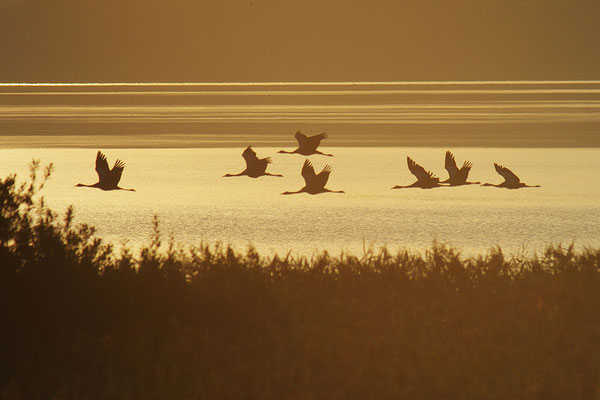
(425, 179)
(307, 145)
(108, 179)
(456, 176)
(314, 184)
(255, 166)
(511, 181)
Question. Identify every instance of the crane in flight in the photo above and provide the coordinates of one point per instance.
(307, 145)
(425, 179)
(255, 166)
(457, 176)
(108, 179)
(511, 181)
(314, 183)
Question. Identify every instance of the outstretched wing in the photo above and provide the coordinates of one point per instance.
(450, 164)
(308, 172)
(116, 171)
(507, 174)
(102, 167)
(465, 169)
(250, 156)
(418, 171)
(301, 138)
(309, 143)
(315, 141)
(467, 165)
(321, 179)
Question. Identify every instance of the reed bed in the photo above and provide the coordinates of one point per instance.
(83, 321)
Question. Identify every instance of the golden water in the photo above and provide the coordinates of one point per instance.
(185, 188)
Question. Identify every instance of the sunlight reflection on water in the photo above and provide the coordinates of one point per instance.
(185, 188)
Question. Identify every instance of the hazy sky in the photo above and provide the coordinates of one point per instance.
(274, 40)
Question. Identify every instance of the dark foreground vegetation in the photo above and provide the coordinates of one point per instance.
(80, 321)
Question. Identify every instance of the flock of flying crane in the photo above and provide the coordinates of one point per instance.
(108, 179)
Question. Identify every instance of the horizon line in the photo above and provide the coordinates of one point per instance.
(297, 83)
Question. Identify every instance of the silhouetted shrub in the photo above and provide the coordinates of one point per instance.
(80, 320)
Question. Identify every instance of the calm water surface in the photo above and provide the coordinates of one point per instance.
(185, 188)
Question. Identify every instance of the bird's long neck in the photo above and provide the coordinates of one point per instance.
(245, 172)
(299, 191)
(84, 185)
(288, 152)
(407, 186)
(490, 184)
(269, 174)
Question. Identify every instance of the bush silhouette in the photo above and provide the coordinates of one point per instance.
(83, 321)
